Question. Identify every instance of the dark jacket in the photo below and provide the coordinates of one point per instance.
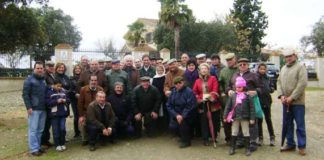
(150, 72)
(64, 80)
(85, 76)
(55, 109)
(94, 116)
(268, 87)
(158, 82)
(244, 111)
(133, 76)
(74, 86)
(252, 82)
(121, 106)
(34, 92)
(114, 76)
(181, 102)
(49, 78)
(146, 101)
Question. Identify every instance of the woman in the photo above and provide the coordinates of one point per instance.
(158, 82)
(74, 94)
(206, 92)
(191, 73)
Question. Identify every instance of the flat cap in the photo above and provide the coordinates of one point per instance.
(165, 61)
(145, 78)
(178, 79)
(101, 61)
(243, 60)
(49, 63)
(229, 56)
(115, 61)
(172, 61)
(201, 55)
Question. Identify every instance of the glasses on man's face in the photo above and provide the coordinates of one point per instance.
(243, 64)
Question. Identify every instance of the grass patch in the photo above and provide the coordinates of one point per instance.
(314, 89)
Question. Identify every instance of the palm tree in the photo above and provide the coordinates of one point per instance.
(174, 15)
(134, 33)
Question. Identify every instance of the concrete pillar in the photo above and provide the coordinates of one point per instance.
(165, 53)
(320, 71)
(63, 54)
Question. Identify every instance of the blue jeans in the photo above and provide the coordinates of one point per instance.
(297, 113)
(59, 131)
(36, 123)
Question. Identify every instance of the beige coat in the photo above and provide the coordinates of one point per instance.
(292, 81)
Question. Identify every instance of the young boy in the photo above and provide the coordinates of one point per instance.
(57, 101)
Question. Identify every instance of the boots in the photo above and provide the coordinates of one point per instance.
(233, 144)
(247, 146)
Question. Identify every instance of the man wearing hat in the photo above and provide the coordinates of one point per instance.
(108, 63)
(223, 79)
(253, 86)
(101, 63)
(201, 58)
(147, 69)
(146, 101)
(49, 78)
(174, 71)
(116, 74)
(181, 105)
(292, 82)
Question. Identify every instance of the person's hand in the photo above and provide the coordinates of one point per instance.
(179, 118)
(252, 121)
(167, 93)
(199, 100)
(109, 131)
(138, 116)
(289, 100)
(154, 115)
(224, 120)
(29, 111)
(77, 95)
(81, 120)
(252, 93)
(105, 132)
(283, 99)
(230, 93)
(63, 100)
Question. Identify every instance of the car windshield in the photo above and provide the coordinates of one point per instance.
(272, 67)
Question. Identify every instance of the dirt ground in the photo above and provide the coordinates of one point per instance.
(13, 138)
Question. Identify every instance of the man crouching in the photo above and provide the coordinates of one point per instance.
(100, 120)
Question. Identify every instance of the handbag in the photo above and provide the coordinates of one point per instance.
(257, 107)
(229, 117)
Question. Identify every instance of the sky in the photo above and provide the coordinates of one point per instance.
(289, 20)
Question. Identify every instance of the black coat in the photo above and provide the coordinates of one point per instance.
(146, 101)
(159, 84)
(121, 105)
(268, 87)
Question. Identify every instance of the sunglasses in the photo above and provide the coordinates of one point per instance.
(243, 64)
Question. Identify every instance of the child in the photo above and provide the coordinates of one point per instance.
(57, 101)
(240, 110)
(265, 100)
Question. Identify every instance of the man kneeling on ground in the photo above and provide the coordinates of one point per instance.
(100, 120)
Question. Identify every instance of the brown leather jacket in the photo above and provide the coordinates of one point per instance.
(86, 97)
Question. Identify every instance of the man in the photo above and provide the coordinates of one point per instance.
(146, 101)
(87, 95)
(159, 61)
(49, 78)
(174, 71)
(132, 72)
(201, 58)
(93, 70)
(224, 78)
(147, 69)
(108, 63)
(100, 120)
(101, 65)
(153, 61)
(34, 92)
(292, 82)
(84, 63)
(184, 61)
(123, 111)
(216, 65)
(115, 74)
(180, 105)
(253, 85)
(138, 64)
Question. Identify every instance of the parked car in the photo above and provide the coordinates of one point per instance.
(273, 71)
(311, 73)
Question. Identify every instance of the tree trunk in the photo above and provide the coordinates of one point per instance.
(177, 41)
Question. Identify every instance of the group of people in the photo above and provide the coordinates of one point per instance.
(113, 99)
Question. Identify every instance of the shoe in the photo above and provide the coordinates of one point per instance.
(272, 141)
(59, 148)
(63, 147)
(206, 143)
(36, 154)
(302, 152)
(287, 148)
(84, 143)
(41, 150)
(247, 146)
(184, 144)
(232, 148)
(92, 148)
(260, 141)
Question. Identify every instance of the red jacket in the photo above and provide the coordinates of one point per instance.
(212, 84)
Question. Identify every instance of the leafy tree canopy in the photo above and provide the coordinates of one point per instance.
(316, 38)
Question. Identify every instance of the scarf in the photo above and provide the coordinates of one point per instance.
(240, 96)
